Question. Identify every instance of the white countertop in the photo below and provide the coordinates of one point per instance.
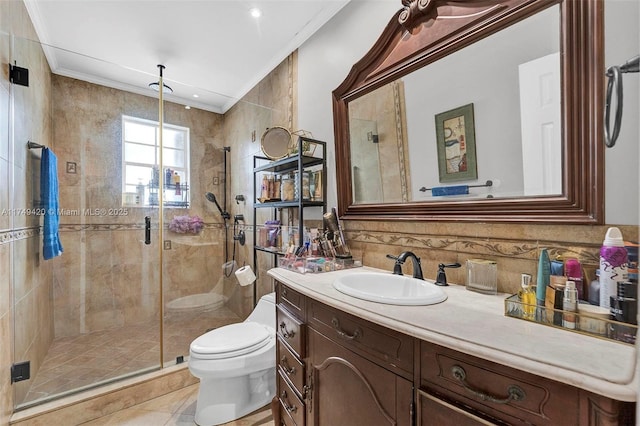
(475, 324)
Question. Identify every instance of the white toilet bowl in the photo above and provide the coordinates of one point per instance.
(236, 365)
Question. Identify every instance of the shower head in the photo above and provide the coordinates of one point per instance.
(211, 197)
(156, 86)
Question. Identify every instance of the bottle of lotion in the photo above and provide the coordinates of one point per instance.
(613, 265)
(570, 305)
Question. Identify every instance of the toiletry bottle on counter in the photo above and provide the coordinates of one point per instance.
(528, 297)
(544, 272)
(613, 265)
(594, 289)
(573, 272)
(570, 305)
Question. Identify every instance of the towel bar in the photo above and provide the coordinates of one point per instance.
(33, 145)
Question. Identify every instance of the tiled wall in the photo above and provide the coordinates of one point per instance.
(516, 248)
(108, 277)
(25, 280)
(270, 103)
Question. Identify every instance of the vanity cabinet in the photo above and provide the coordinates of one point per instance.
(477, 391)
(335, 368)
(290, 352)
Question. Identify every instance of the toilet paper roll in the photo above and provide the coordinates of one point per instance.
(245, 275)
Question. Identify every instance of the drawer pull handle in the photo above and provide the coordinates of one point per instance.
(286, 333)
(336, 325)
(285, 401)
(514, 392)
(285, 366)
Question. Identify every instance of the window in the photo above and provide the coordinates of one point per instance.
(140, 159)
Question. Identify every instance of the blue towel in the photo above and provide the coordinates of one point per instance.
(49, 197)
(440, 191)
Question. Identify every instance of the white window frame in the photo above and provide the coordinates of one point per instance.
(184, 171)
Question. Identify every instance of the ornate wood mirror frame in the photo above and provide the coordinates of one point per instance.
(415, 38)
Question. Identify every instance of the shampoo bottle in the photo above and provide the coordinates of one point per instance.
(613, 265)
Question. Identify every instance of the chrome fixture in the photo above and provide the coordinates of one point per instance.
(401, 258)
(614, 75)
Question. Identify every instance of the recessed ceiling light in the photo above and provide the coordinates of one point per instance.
(195, 95)
(255, 12)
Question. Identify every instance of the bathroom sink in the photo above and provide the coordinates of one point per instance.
(390, 289)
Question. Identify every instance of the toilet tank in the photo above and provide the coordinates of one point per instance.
(265, 311)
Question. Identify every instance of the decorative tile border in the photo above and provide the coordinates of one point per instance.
(527, 250)
(11, 235)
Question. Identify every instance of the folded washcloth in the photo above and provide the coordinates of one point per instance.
(49, 196)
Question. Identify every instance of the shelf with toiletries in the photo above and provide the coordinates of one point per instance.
(174, 195)
(288, 187)
(587, 320)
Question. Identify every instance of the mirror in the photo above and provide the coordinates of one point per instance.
(441, 119)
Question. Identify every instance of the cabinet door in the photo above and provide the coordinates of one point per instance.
(347, 389)
(433, 411)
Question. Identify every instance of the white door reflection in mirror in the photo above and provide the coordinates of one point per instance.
(541, 125)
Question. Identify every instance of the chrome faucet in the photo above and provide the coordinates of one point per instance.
(401, 258)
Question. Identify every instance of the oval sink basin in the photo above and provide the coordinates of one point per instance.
(390, 289)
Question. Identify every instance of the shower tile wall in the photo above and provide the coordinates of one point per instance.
(244, 124)
(120, 273)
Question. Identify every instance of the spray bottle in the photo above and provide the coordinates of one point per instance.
(613, 265)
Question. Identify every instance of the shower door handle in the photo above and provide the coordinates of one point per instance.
(147, 230)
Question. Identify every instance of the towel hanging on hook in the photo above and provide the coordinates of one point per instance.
(614, 75)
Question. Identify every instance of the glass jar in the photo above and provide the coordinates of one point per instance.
(287, 188)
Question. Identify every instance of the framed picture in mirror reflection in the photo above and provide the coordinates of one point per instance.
(455, 136)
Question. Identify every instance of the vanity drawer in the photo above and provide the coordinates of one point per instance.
(292, 300)
(384, 346)
(290, 366)
(499, 391)
(291, 331)
(291, 405)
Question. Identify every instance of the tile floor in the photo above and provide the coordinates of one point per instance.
(82, 361)
(174, 409)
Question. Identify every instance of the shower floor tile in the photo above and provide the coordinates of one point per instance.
(76, 362)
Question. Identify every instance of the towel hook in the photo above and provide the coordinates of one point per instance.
(33, 145)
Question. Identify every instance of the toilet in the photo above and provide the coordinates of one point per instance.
(236, 365)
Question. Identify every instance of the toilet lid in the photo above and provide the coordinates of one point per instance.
(231, 340)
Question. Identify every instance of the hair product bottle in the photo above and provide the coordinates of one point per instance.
(613, 265)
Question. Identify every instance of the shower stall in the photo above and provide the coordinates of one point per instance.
(140, 239)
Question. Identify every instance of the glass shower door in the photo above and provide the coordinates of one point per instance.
(91, 315)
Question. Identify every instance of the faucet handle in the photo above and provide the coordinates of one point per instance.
(441, 278)
(397, 267)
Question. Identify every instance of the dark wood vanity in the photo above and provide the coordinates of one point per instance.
(335, 368)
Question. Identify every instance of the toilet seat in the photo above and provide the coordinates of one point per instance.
(231, 341)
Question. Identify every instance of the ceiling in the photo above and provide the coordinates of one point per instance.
(213, 49)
